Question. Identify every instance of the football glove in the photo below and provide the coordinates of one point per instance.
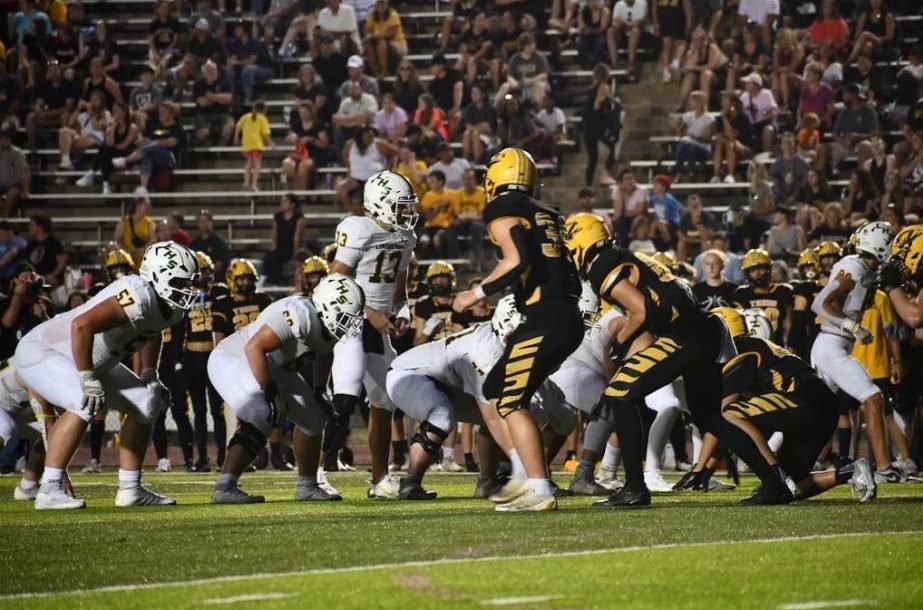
(94, 396)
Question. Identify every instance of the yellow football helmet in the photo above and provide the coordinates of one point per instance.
(510, 169)
(314, 264)
(441, 268)
(909, 253)
(828, 248)
(666, 259)
(241, 276)
(808, 258)
(733, 319)
(205, 262)
(330, 252)
(755, 258)
(116, 257)
(583, 233)
(903, 240)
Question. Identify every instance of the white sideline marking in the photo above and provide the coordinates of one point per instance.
(837, 603)
(253, 597)
(441, 562)
(515, 601)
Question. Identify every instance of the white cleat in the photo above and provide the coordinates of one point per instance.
(324, 483)
(92, 467)
(450, 465)
(24, 494)
(863, 481)
(608, 479)
(232, 494)
(141, 496)
(511, 490)
(529, 502)
(163, 465)
(716, 485)
(52, 496)
(655, 482)
(387, 488)
(907, 466)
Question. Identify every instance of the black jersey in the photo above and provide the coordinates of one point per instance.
(171, 341)
(452, 321)
(710, 297)
(776, 301)
(199, 318)
(551, 275)
(231, 313)
(762, 367)
(669, 301)
(805, 323)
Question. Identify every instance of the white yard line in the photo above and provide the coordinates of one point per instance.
(440, 562)
(253, 597)
(836, 603)
(515, 601)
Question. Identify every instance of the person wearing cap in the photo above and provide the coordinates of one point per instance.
(14, 172)
(11, 250)
(666, 207)
(55, 98)
(213, 100)
(338, 20)
(355, 67)
(205, 9)
(385, 43)
(330, 63)
(202, 46)
(356, 110)
(856, 121)
(762, 110)
(247, 61)
(22, 308)
(144, 99)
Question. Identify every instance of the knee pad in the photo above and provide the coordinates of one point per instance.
(248, 437)
(429, 445)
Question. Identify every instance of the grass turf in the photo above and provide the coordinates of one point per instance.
(690, 550)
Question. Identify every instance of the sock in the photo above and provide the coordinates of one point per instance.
(469, 458)
(595, 436)
(53, 476)
(611, 457)
(275, 450)
(630, 430)
(399, 448)
(519, 470)
(541, 487)
(584, 469)
(843, 441)
(226, 479)
(129, 479)
(307, 481)
(27, 484)
(742, 445)
(658, 436)
(844, 473)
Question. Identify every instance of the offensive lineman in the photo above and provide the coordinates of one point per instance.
(73, 361)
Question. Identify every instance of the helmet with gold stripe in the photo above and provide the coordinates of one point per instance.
(828, 253)
(907, 251)
(510, 169)
(666, 259)
(440, 278)
(206, 267)
(808, 264)
(241, 277)
(756, 265)
(118, 263)
(733, 319)
(584, 234)
(313, 269)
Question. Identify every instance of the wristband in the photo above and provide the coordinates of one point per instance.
(479, 292)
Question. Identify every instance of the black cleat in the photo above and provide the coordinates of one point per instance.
(488, 486)
(627, 498)
(202, 465)
(413, 490)
(558, 491)
(764, 496)
(471, 465)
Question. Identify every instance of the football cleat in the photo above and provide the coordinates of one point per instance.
(529, 502)
(608, 479)
(626, 498)
(716, 485)
(471, 465)
(450, 465)
(141, 496)
(863, 481)
(314, 493)
(764, 496)
(510, 491)
(488, 486)
(583, 485)
(413, 490)
(890, 475)
(325, 484)
(202, 465)
(693, 479)
(907, 466)
(163, 465)
(52, 496)
(24, 494)
(233, 494)
(387, 488)
(558, 491)
(92, 467)
(654, 481)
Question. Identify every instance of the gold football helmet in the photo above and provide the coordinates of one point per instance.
(808, 264)
(241, 277)
(510, 169)
(755, 258)
(733, 319)
(583, 233)
(118, 263)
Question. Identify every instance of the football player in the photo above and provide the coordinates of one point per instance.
(376, 249)
(73, 361)
(841, 305)
(536, 265)
(804, 321)
(199, 343)
(828, 253)
(776, 300)
(686, 341)
(313, 270)
(768, 389)
(257, 370)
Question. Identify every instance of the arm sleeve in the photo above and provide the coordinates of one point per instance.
(348, 369)
(518, 234)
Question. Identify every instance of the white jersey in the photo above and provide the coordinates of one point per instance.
(378, 256)
(461, 361)
(13, 397)
(146, 320)
(593, 351)
(858, 299)
(295, 321)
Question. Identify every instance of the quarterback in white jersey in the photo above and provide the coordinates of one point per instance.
(258, 372)
(376, 250)
(841, 304)
(73, 361)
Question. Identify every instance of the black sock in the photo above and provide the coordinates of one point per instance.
(399, 448)
(630, 431)
(843, 441)
(469, 458)
(275, 450)
(97, 434)
(844, 473)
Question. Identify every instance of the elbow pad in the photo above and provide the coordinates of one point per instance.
(521, 241)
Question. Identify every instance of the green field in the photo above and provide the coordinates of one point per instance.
(690, 550)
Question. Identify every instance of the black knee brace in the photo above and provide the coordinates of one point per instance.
(429, 445)
(248, 437)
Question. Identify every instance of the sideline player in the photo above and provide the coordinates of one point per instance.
(536, 265)
(776, 300)
(73, 361)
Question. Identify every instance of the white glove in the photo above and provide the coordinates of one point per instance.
(403, 312)
(94, 396)
(862, 334)
(432, 325)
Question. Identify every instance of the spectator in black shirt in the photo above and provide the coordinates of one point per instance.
(480, 123)
(202, 46)
(714, 291)
(247, 62)
(44, 251)
(422, 147)
(448, 89)
(164, 34)
(25, 308)
(407, 88)
(330, 64)
(10, 95)
(96, 42)
(213, 100)
(98, 81)
(64, 47)
(156, 151)
(210, 243)
(311, 88)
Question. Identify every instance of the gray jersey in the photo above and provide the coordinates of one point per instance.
(377, 254)
(859, 298)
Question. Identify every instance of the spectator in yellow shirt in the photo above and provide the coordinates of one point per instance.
(438, 207)
(252, 134)
(412, 168)
(385, 43)
(469, 211)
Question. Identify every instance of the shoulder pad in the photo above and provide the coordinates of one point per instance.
(353, 232)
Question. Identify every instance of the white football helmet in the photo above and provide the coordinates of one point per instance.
(389, 198)
(506, 317)
(340, 304)
(875, 238)
(588, 304)
(757, 324)
(174, 272)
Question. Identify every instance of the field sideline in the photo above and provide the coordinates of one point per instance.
(689, 551)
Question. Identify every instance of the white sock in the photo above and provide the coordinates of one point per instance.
(696, 445)
(226, 479)
(519, 470)
(307, 480)
(27, 484)
(658, 436)
(129, 479)
(53, 476)
(611, 457)
(540, 486)
(775, 441)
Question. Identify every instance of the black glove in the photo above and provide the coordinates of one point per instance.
(890, 277)
(694, 480)
(270, 393)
